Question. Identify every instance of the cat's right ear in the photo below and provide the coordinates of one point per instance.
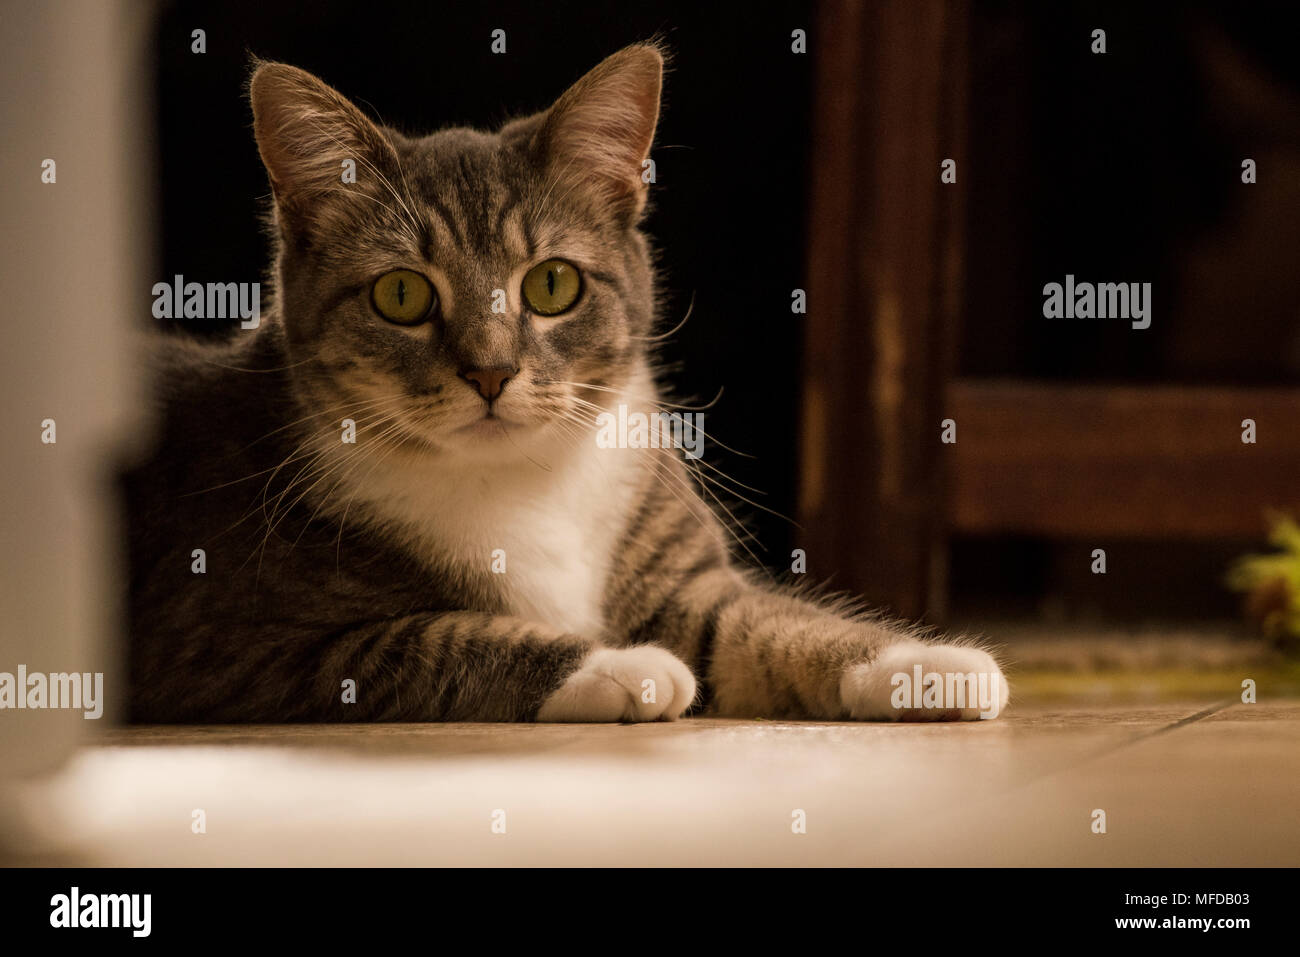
(308, 133)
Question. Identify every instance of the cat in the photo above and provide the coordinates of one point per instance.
(462, 309)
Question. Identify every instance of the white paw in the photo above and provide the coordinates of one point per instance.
(901, 685)
(644, 683)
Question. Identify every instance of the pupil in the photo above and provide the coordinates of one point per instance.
(550, 281)
(401, 292)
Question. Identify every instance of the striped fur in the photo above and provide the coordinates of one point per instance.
(378, 565)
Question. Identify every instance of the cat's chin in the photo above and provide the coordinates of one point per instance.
(480, 436)
(495, 428)
(491, 437)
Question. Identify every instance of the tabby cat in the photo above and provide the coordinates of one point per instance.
(464, 308)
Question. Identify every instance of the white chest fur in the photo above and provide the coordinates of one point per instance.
(546, 527)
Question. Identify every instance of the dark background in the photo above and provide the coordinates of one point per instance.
(1131, 173)
(1126, 172)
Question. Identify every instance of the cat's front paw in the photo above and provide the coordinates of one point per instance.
(916, 681)
(644, 683)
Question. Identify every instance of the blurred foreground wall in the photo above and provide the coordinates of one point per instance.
(76, 257)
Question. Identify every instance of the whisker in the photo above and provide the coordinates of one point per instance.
(292, 365)
(281, 513)
(662, 468)
(658, 405)
(254, 475)
(355, 405)
(671, 332)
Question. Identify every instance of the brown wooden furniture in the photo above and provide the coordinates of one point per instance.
(880, 494)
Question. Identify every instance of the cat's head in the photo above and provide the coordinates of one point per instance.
(463, 285)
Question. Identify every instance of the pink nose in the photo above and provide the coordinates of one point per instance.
(489, 382)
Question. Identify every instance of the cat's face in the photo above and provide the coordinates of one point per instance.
(463, 290)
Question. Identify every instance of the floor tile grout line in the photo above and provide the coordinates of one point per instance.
(1115, 748)
(1212, 709)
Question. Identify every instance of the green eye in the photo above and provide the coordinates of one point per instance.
(402, 296)
(552, 287)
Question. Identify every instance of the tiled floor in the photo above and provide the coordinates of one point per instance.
(1193, 785)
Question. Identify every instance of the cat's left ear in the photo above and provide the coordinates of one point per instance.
(600, 130)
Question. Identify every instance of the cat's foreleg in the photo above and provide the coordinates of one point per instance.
(775, 653)
(765, 651)
(468, 666)
(428, 666)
